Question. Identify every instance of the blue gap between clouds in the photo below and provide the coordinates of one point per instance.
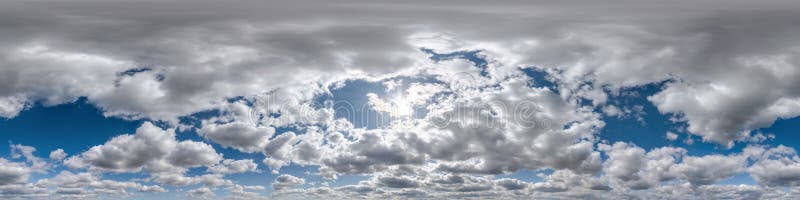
(350, 101)
(470, 55)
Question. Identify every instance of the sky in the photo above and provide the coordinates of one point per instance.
(376, 99)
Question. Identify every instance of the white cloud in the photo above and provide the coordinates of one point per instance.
(152, 188)
(87, 185)
(239, 135)
(11, 106)
(637, 169)
(779, 166)
(612, 111)
(277, 151)
(624, 162)
(179, 180)
(230, 166)
(36, 164)
(22, 191)
(244, 192)
(13, 172)
(151, 147)
(285, 181)
(671, 136)
(274, 60)
(705, 170)
(200, 193)
(58, 155)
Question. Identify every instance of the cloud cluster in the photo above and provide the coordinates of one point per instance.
(285, 181)
(13, 172)
(151, 148)
(263, 71)
(86, 185)
(15, 181)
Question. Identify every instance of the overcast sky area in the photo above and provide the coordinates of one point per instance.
(343, 99)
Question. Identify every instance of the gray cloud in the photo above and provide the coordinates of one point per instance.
(241, 136)
(731, 68)
(779, 166)
(229, 166)
(285, 181)
(13, 172)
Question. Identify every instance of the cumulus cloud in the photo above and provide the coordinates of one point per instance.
(262, 68)
(511, 184)
(200, 193)
(254, 60)
(150, 148)
(277, 151)
(285, 181)
(36, 164)
(88, 185)
(13, 172)
(779, 166)
(632, 167)
(245, 192)
(230, 166)
(529, 127)
(241, 136)
(58, 155)
(176, 179)
(671, 136)
(705, 170)
(152, 188)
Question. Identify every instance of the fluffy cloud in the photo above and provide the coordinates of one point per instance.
(245, 192)
(511, 184)
(632, 167)
(509, 127)
(207, 180)
(13, 172)
(200, 193)
(737, 108)
(506, 124)
(671, 136)
(191, 72)
(58, 155)
(230, 166)
(86, 185)
(151, 147)
(152, 188)
(779, 166)
(171, 68)
(260, 67)
(285, 181)
(239, 135)
(776, 172)
(36, 164)
(277, 151)
(705, 170)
